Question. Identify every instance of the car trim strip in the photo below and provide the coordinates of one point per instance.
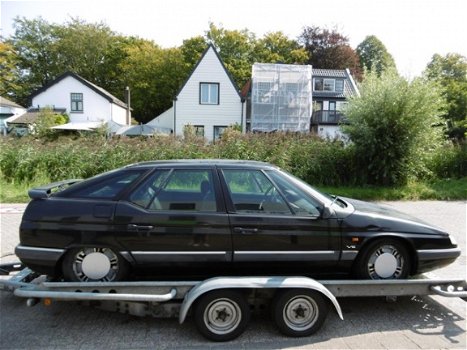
(285, 255)
(179, 253)
(180, 256)
(349, 255)
(311, 252)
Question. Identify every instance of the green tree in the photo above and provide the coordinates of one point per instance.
(373, 55)
(391, 126)
(34, 43)
(45, 51)
(236, 48)
(192, 49)
(277, 47)
(450, 72)
(329, 49)
(154, 76)
(9, 68)
(93, 51)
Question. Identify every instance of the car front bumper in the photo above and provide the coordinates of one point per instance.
(429, 259)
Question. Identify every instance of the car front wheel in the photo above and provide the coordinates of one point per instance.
(94, 265)
(384, 259)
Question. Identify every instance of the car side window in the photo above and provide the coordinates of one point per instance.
(301, 203)
(108, 188)
(251, 191)
(178, 189)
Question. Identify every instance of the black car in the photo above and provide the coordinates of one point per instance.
(218, 217)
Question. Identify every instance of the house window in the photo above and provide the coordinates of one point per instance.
(339, 85)
(218, 131)
(76, 102)
(209, 93)
(329, 84)
(318, 86)
(199, 130)
(321, 84)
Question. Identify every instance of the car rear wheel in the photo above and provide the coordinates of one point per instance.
(94, 265)
(222, 315)
(299, 312)
(384, 259)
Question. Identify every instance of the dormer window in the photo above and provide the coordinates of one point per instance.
(76, 102)
(339, 85)
(331, 85)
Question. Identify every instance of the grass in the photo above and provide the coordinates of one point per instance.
(447, 189)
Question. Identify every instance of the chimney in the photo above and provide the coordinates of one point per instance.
(128, 105)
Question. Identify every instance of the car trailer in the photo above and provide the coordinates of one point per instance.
(221, 306)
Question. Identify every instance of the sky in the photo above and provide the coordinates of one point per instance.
(411, 30)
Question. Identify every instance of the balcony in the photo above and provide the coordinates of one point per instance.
(327, 117)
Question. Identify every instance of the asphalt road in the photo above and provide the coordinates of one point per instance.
(370, 323)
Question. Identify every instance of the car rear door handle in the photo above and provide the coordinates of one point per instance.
(139, 228)
(245, 231)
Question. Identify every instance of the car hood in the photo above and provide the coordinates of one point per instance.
(378, 217)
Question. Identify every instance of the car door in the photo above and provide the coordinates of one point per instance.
(276, 228)
(176, 219)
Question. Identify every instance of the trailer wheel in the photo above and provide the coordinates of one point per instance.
(384, 259)
(221, 315)
(94, 264)
(299, 312)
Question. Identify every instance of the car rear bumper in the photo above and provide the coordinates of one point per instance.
(38, 259)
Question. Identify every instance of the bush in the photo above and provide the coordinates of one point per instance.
(315, 160)
(449, 161)
(392, 127)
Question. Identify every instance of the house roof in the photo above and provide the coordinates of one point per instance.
(7, 103)
(210, 46)
(350, 88)
(32, 114)
(104, 93)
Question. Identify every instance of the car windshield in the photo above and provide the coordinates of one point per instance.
(324, 198)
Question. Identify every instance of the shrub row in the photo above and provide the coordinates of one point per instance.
(317, 161)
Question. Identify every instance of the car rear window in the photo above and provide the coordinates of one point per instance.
(106, 187)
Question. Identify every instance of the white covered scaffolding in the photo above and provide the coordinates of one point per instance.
(281, 97)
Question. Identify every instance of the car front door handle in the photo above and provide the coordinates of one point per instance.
(139, 228)
(245, 231)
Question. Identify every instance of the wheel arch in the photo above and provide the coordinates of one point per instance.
(249, 283)
(407, 242)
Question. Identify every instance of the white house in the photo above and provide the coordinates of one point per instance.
(86, 104)
(9, 110)
(209, 100)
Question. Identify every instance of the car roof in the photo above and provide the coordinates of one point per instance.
(203, 162)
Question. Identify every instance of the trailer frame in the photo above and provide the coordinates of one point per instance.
(291, 296)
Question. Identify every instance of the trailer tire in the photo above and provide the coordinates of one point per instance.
(222, 315)
(94, 264)
(299, 312)
(384, 258)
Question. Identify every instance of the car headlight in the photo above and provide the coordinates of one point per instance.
(453, 240)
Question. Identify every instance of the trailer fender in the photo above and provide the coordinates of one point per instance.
(253, 283)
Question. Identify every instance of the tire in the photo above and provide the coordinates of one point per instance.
(384, 259)
(94, 265)
(299, 312)
(222, 315)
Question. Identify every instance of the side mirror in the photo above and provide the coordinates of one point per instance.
(328, 212)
